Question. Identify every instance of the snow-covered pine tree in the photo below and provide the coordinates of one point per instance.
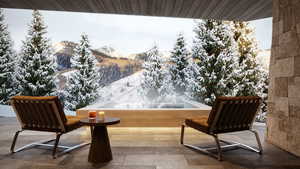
(192, 79)
(7, 63)
(252, 79)
(249, 70)
(82, 85)
(214, 51)
(262, 88)
(178, 63)
(155, 80)
(36, 64)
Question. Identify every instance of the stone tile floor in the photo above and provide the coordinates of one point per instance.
(140, 148)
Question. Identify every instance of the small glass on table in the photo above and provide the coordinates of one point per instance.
(92, 115)
(101, 115)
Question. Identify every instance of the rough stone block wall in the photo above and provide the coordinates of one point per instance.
(284, 90)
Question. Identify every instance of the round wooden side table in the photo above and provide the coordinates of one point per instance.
(100, 150)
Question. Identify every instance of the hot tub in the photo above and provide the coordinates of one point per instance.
(164, 114)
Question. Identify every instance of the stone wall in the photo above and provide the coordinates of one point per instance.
(284, 91)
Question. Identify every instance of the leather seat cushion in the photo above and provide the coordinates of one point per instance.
(73, 122)
(199, 123)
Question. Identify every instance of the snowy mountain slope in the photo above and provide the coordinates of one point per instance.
(123, 90)
(124, 93)
(110, 51)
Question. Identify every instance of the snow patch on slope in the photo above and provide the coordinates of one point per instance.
(124, 94)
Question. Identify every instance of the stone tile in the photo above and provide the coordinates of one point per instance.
(288, 45)
(275, 44)
(282, 106)
(281, 26)
(271, 90)
(297, 66)
(294, 109)
(274, 135)
(285, 37)
(274, 52)
(281, 86)
(298, 27)
(283, 67)
(275, 11)
(294, 91)
(294, 144)
(288, 18)
(283, 120)
(296, 10)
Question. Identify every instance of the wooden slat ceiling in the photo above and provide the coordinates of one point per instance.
(216, 9)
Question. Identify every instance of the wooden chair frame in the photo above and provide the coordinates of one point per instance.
(60, 130)
(228, 144)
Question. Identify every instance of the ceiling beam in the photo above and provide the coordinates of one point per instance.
(215, 9)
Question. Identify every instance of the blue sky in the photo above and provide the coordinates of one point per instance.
(127, 34)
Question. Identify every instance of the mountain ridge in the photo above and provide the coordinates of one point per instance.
(106, 55)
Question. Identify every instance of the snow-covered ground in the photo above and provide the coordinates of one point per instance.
(6, 111)
(124, 90)
(124, 93)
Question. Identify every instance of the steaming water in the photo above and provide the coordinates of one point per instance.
(171, 104)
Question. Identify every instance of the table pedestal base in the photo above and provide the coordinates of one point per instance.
(100, 150)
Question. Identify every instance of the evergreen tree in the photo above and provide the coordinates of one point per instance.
(82, 85)
(7, 63)
(214, 51)
(262, 88)
(155, 80)
(178, 64)
(249, 70)
(193, 77)
(36, 65)
(252, 79)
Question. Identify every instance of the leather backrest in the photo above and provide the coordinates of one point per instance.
(233, 113)
(39, 113)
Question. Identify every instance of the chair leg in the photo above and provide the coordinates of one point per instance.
(258, 141)
(55, 145)
(204, 150)
(207, 150)
(218, 147)
(45, 144)
(182, 133)
(12, 148)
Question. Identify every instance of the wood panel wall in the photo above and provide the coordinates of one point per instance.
(149, 118)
